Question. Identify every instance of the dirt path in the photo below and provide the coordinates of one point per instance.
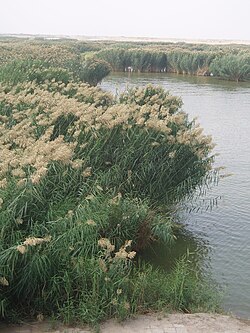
(173, 323)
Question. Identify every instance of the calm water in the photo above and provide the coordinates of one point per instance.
(223, 109)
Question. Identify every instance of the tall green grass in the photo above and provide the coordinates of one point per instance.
(94, 184)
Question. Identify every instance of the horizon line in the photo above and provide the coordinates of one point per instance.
(129, 38)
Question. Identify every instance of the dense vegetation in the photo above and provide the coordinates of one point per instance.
(38, 62)
(89, 61)
(232, 66)
(227, 63)
(86, 182)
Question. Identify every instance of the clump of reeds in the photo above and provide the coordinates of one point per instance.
(86, 182)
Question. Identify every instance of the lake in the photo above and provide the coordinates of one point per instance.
(223, 109)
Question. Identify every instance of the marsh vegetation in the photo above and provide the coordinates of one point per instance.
(87, 181)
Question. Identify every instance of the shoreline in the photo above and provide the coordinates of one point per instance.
(151, 323)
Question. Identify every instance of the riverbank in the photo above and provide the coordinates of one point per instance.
(155, 323)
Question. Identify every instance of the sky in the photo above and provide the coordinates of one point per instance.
(187, 19)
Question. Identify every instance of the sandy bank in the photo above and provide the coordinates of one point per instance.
(173, 323)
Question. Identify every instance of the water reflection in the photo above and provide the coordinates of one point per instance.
(118, 82)
(165, 255)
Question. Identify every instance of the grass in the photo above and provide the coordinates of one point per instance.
(86, 183)
(77, 278)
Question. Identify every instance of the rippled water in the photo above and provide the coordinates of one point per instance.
(223, 109)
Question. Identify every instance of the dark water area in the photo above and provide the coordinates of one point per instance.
(221, 236)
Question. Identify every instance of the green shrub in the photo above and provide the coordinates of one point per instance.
(93, 71)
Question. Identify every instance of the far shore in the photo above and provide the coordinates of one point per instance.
(132, 39)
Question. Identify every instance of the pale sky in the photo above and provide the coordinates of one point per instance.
(194, 19)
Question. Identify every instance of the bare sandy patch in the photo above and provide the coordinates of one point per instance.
(156, 323)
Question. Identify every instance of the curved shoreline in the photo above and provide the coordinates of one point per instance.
(150, 323)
